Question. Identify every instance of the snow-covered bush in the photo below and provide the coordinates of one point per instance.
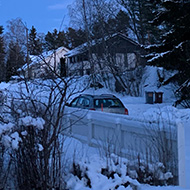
(153, 174)
(96, 174)
(37, 109)
(34, 141)
(161, 127)
(9, 142)
(127, 82)
(132, 81)
(13, 137)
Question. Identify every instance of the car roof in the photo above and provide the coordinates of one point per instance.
(99, 96)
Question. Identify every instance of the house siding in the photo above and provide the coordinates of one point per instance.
(124, 53)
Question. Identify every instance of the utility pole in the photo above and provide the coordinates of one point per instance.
(27, 56)
(27, 49)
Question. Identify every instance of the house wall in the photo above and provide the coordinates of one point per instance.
(54, 60)
(121, 53)
(50, 62)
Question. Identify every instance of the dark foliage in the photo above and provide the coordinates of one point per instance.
(74, 37)
(140, 12)
(102, 28)
(54, 40)
(174, 50)
(34, 44)
(14, 61)
(77, 171)
(2, 55)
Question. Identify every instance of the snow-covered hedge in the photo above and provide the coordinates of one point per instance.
(119, 173)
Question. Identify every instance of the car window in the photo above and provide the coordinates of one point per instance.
(107, 103)
(86, 102)
(74, 102)
(83, 102)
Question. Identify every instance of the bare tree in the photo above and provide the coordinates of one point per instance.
(17, 45)
(87, 14)
(17, 33)
(37, 109)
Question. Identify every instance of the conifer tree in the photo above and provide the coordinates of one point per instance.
(15, 60)
(174, 50)
(2, 55)
(35, 47)
(55, 39)
(119, 23)
(140, 12)
(74, 37)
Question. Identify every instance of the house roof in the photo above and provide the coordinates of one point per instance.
(83, 48)
(36, 59)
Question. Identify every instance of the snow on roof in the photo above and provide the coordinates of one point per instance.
(35, 59)
(79, 49)
(83, 48)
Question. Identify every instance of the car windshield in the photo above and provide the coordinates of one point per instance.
(107, 102)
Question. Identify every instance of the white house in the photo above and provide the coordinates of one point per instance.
(47, 64)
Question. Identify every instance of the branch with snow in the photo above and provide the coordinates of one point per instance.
(8, 138)
(158, 55)
(29, 121)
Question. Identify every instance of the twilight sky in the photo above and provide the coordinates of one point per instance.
(44, 15)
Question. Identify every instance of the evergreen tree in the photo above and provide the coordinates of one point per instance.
(122, 22)
(34, 44)
(15, 60)
(174, 50)
(55, 39)
(2, 55)
(74, 37)
(119, 23)
(140, 12)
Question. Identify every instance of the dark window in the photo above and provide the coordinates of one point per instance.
(80, 58)
(83, 102)
(63, 67)
(88, 71)
(85, 57)
(107, 103)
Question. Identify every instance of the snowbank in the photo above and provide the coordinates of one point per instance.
(90, 163)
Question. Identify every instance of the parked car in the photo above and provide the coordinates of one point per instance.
(104, 102)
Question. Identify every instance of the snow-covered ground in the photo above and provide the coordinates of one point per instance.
(139, 109)
(91, 162)
(90, 157)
